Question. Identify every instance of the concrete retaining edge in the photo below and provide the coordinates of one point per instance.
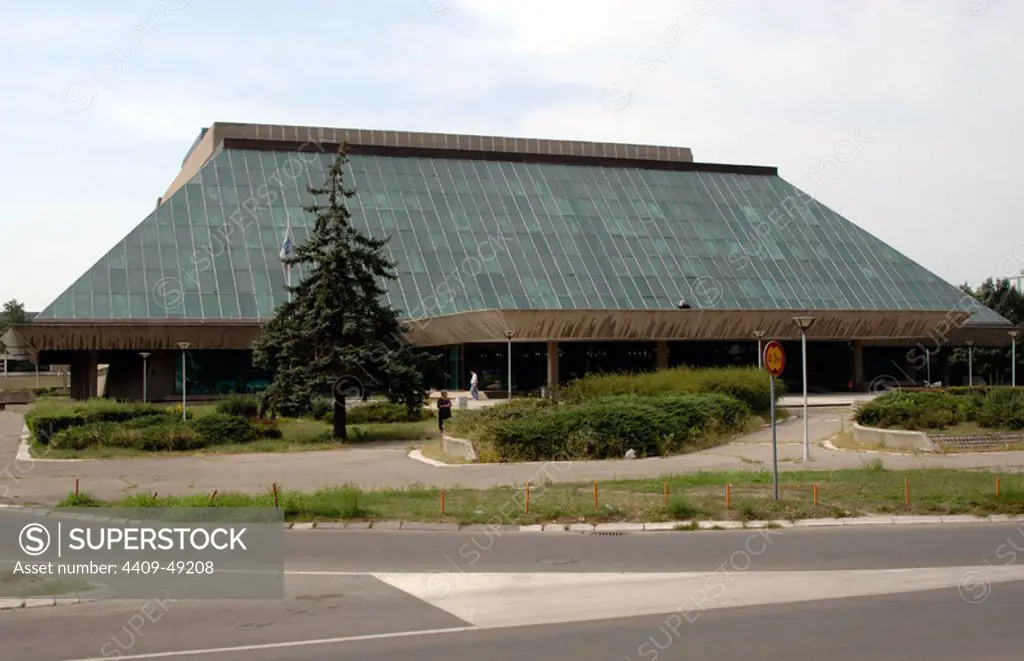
(458, 447)
(893, 438)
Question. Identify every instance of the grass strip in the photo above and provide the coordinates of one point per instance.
(699, 496)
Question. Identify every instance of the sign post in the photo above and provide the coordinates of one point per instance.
(774, 362)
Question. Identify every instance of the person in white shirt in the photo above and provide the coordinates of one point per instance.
(474, 384)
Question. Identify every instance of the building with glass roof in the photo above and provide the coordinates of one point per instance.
(589, 256)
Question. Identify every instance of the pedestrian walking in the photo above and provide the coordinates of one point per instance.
(474, 385)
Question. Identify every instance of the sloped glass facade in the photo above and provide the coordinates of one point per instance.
(474, 234)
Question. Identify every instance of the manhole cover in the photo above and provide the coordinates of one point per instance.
(557, 560)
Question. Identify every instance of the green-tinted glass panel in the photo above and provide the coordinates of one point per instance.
(470, 235)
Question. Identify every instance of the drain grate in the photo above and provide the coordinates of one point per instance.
(616, 533)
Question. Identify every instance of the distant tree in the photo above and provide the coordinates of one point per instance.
(336, 335)
(13, 313)
(992, 363)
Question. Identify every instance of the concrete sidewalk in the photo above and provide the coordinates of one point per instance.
(387, 465)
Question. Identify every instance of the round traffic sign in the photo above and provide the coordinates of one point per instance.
(774, 358)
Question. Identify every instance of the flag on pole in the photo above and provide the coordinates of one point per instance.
(286, 251)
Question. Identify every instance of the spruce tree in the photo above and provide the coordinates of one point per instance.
(336, 335)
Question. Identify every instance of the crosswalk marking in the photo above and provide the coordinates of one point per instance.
(524, 599)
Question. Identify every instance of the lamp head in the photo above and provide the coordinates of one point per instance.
(144, 354)
(803, 323)
(1014, 333)
(184, 345)
(759, 334)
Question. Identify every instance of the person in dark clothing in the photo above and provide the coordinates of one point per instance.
(444, 410)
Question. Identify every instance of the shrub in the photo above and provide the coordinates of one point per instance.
(322, 409)
(379, 413)
(747, 384)
(271, 432)
(994, 408)
(1000, 408)
(242, 406)
(163, 435)
(470, 423)
(47, 419)
(221, 428)
(607, 427)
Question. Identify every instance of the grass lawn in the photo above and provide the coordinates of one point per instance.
(298, 436)
(20, 586)
(701, 496)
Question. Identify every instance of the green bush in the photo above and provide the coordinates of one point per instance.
(242, 406)
(470, 423)
(270, 432)
(1000, 408)
(993, 408)
(747, 384)
(151, 436)
(221, 428)
(607, 427)
(47, 419)
(379, 413)
(322, 409)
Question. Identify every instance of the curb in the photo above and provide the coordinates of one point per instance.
(101, 592)
(659, 526)
(25, 453)
(42, 602)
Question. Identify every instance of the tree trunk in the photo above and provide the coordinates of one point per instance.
(339, 418)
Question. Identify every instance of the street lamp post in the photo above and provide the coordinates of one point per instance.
(970, 363)
(509, 334)
(184, 347)
(1013, 358)
(759, 334)
(804, 324)
(145, 376)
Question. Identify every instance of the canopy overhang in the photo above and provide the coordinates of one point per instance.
(878, 328)
(707, 325)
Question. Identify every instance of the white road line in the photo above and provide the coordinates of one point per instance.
(283, 645)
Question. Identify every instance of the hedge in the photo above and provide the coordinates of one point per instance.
(992, 408)
(156, 434)
(608, 427)
(243, 406)
(47, 419)
(747, 384)
(378, 413)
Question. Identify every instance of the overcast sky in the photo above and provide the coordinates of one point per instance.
(904, 116)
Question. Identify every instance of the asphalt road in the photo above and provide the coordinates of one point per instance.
(944, 592)
(882, 547)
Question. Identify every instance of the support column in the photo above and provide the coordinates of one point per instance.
(661, 355)
(83, 375)
(552, 365)
(858, 364)
(943, 357)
